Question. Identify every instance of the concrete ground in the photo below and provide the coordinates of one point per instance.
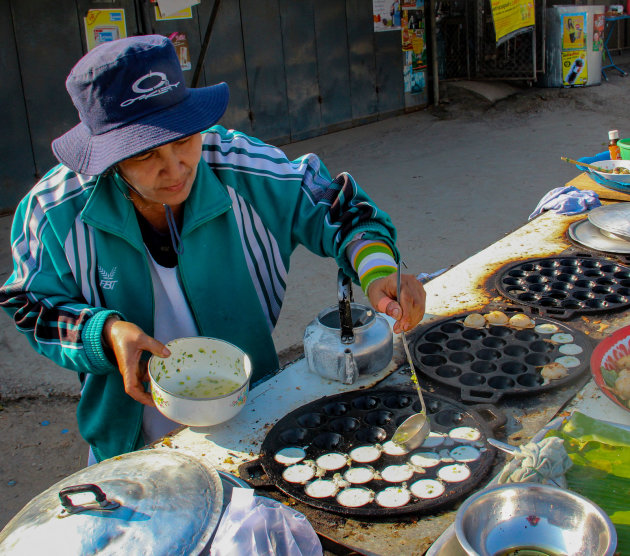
(454, 179)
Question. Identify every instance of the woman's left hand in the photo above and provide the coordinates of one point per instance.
(409, 309)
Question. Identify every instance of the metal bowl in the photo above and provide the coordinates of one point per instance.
(539, 518)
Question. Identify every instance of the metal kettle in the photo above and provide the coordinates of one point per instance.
(344, 342)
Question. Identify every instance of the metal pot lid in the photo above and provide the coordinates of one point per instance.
(585, 233)
(158, 502)
(614, 219)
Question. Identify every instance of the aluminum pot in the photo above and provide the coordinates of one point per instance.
(349, 340)
(159, 502)
(204, 382)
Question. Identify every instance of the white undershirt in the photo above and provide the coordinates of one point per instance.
(173, 319)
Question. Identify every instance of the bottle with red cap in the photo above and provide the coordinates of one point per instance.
(613, 148)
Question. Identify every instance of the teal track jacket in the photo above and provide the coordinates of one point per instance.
(79, 257)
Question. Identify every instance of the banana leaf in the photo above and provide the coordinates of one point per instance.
(601, 469)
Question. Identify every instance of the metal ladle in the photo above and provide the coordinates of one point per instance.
(412, 431)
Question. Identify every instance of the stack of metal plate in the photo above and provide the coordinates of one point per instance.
(607, 228)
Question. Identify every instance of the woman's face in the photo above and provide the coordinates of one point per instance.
(164, 175)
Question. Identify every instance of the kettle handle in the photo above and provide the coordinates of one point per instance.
(344, 294)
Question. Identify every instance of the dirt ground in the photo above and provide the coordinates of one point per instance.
(40, 446)
(38, 434)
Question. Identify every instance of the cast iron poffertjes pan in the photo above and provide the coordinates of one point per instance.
(488, 363)
(562, 287)
(342, 422)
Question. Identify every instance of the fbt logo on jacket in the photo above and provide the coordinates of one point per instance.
(147, 87)
(107, 278)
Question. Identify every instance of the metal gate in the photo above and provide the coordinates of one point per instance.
(467, 49)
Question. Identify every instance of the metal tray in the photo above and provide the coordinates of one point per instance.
(584, 234)
(345, 421)
(488, 363)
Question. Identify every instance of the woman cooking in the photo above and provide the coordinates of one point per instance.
(160, 224)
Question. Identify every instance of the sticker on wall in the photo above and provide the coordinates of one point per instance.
(104, 26)
(413, 46)
(574, 68)
(599, 20)
(180, 42)
(419, 51)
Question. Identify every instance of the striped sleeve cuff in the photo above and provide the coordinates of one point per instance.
(91, 337)
(371, 260)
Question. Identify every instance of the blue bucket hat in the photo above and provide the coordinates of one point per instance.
(131, 97)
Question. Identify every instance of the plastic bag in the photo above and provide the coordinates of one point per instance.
(257, 525)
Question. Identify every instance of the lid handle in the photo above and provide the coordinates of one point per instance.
(102, 503)
(344, 294)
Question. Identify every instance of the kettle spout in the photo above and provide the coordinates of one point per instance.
(350, 370)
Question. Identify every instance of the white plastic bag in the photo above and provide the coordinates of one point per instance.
(257, 525)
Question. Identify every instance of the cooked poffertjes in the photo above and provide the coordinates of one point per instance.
(475, 320)
(521, 320)
(622, 386)
(321, 488)
(393, 497)
(427, 488)
(568, 361)
(554, 371)
(546, 328)
(332, 461)
(354, 497)
(623, 362)
(570, 349)
(497, 317)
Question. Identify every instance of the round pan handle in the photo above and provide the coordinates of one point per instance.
(253, 473)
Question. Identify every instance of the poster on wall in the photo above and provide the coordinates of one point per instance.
(104, 26)
(414, 46)
(574, 31)
(512, 17)
(186, 13)
(386, 15)
(170, 8)
(574, 67)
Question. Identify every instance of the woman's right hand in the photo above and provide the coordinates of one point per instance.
(128, 341)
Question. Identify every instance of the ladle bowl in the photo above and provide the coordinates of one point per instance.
(412, 432)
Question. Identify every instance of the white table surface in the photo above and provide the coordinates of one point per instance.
(467, 286)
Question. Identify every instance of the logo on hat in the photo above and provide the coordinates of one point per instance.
(146, 90)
